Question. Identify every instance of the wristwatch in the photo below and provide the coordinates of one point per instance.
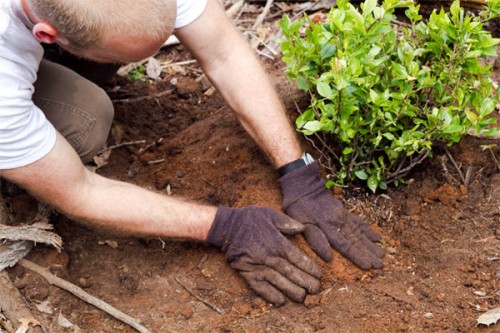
(306, 159)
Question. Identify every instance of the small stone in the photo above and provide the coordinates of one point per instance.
(85, 282)
(38, 293)
(428, 315)
(337, 190)
(411, 207)
(186, 87)
(258, 303)
(312, 301)
(391, 250)
(19, 283)
(479, 293)
(58, 261)
(187, 312)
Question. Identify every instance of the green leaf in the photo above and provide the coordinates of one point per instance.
(452, 129)
(304, 118)
(487, 107)
(347, 151)
(455, 9)
(372, 183)
(324, 89)
(302, 83)
(361, 174)
(327, 51)
(389, 136)
(368, 6)
(312, 126)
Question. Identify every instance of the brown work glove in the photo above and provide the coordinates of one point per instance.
(306, 199)
(255, 246)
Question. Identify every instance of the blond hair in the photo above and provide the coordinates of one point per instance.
(84, 22)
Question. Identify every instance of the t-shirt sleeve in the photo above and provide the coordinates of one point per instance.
(25, 134)
(188, 11)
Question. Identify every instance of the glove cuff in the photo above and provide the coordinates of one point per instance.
(221, 227)
(301, 182)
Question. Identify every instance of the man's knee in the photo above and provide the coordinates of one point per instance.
(79, 109)
(96, 138)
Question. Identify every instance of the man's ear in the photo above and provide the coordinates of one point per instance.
(45, 33)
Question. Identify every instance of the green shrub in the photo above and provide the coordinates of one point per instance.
(382, 96)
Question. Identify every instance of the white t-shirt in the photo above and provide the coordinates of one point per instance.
(25, 134)
(188, 11)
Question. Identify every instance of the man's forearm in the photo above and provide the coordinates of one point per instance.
(133, 210)
(233, 68)
(257, 105)
(62, 181)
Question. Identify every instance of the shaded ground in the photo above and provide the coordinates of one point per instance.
(442, 240)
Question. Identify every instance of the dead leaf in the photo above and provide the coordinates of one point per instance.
(153, 68)
(63, 322)
(5, 324)
(44, 307)
(102, 159)
(25, 324)
(489, 317)
(173, 69)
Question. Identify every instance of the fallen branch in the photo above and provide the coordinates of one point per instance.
(37, 233)
(83, 295)
(18, 240)
(12, 252)
(235, 9)
(207, 303)
(13, 306)
(262, 15)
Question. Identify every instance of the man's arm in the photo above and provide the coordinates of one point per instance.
(270, 264)
(61, 180)
(233, 68)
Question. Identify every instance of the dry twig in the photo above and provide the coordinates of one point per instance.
(235, 9)
(449, 177)
(130, 143)
(262, 15)
(460, 174)
(83, 295)
(207, 303)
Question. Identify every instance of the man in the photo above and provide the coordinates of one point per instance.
(51, 120)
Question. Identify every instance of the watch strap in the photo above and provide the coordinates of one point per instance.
(294, 165)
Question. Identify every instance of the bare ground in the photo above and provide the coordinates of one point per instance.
(442, 239)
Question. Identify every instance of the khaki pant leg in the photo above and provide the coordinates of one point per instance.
(80, 110)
